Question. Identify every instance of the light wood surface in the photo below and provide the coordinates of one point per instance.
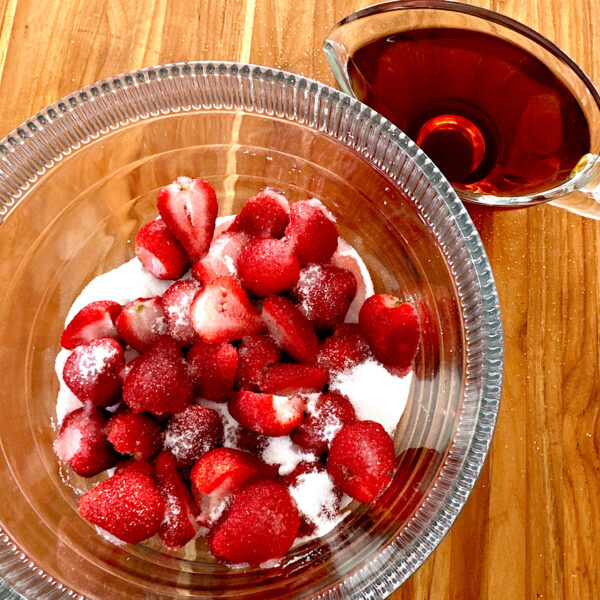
(531, 529)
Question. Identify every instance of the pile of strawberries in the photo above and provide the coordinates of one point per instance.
(258, 327)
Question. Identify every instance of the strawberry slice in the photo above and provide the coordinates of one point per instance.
(96, 320)
(261, 524)
(287, 378)
(264, 215)
(392, 329)
(189, 208)
(141, 322)
(345, 349)
(159, 251)
(128, 506)
(267, 413)
(137, 434)
(176, 302)
(92, 371)
(221, 258)
(255, 353)
(179, 524)
(82, 442)
(212, 369)
(222, 312)
(290, 329)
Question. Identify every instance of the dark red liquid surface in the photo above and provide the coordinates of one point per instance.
(492, 116)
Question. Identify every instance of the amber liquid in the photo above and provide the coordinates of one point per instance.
(492, 116)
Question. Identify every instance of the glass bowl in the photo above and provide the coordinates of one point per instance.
(76, 182)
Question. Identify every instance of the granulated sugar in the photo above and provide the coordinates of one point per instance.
(283, 452)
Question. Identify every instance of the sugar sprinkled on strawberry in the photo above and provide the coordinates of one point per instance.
(256, 352)
(93, 321)
(137, 434)
(289, 378)
(221, 258)
(345, 349)
(142, 322)
(263, 215)
(285, 455)
(176, 302)
(212, 369)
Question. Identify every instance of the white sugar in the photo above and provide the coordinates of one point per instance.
(315, 496)
(281, 451)
(231, 427)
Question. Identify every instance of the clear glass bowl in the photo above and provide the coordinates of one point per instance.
(76, 182)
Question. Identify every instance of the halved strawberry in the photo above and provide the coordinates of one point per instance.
(141, 322)
(137, 434)
(345, 349)
(287, 378)
(158, 382)
(189, 208)
(324, 293)
(263, 215)
(255, 353)
(82, 442)
(221, 258)
(179, 524)
(267, 413)
(176, 302)
(96, 320)
(212, 369)
(92, 371)
(222, 312)
(128, 506)
(290, 329)
(267, 266)
(311, 232)
(261, 524)
(159, 251)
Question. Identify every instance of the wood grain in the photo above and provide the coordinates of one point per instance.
(531, 528)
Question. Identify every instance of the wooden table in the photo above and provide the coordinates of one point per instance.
(531, 529)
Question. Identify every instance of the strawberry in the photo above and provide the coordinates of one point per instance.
(159, 251)
(92, 370)
(82, 442)
(361, 460)
(345, 349)
(324, 293)
(286, 378)
(179, 523)
(193, 432)
(212, 369)
(176, 302)
(158, 382)
(267, 266)
(324, 420)
(392, 329)
(290, 329)
(128, 506)
(189, 208)
(261, 524)
(141, 322)
(222, 312)
(311, 232)
(134, 464)
(96, 320)
(137, 434)
(256, 352)
(221, 258)
(264, 215)
(266, 413)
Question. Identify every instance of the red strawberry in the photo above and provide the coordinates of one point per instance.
(158, 382)
(138, 434)
(128, 506)
(193, 432)
(286, 378)
(324, 293)
(290, 329)
(255, 353)
(266, 413)
(221, 312)
(134, 464)
(264, 215)
(82, 442)
(221, 258)
(189, 207)
(361, 460)
(212, 369)
(261, 524)
(345, 349)
(325, 419)
(96, 320)
(179, 523)
(92, 371)
(392, 329)
(267, 266)
(176, 302)
(311, 232)
(159, 251)
(141, 322)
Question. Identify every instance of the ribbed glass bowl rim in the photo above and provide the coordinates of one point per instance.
(63, 127)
